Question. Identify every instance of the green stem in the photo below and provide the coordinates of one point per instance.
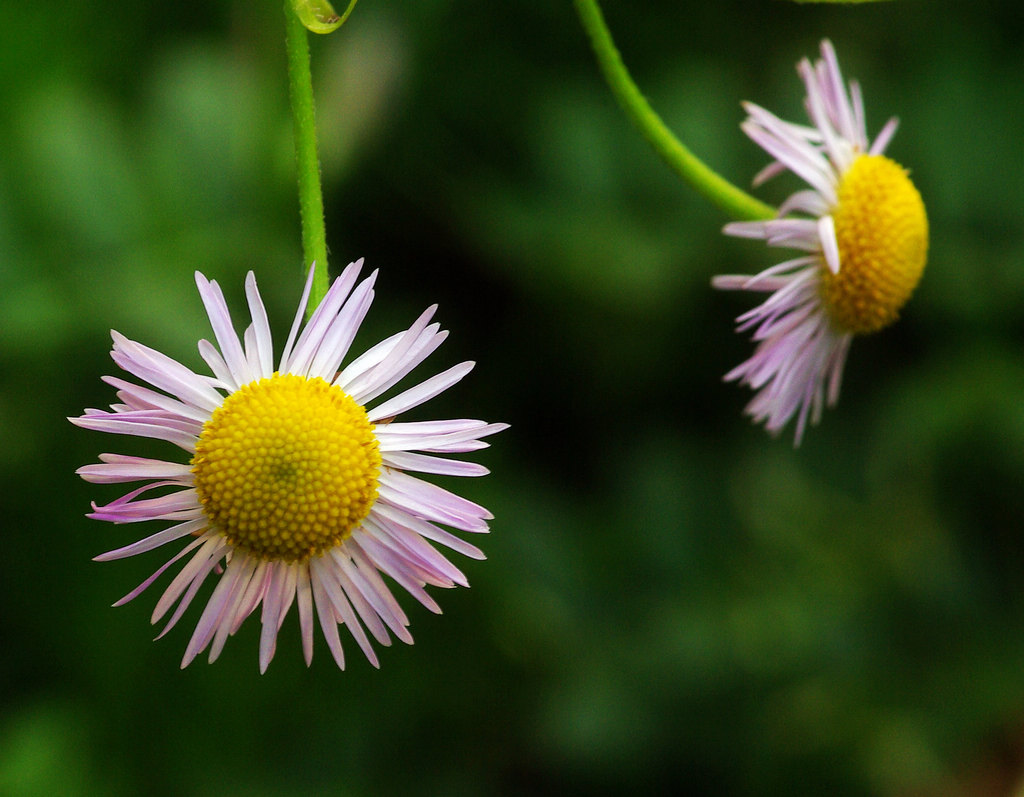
(311, 201)
(734, 201)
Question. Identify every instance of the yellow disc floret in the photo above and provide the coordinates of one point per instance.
(286, 467)
(882, 232)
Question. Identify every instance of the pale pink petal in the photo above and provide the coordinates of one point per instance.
(429, 501)
(245, 567)
(154, 540)
(271, 616)
(222, 595)
(297, 323)
(253, 595)
(263, 342)
(400, 570)
(342, 331)
(145, 397)
(400, 436)
(422, 392)
(196, 572)
(313, 333)
(383, 599)
(407, 460)
(116, 469)
(329, 578)
(164, 373)
(416, 554)
(358, 600)
(325, 612)
(304, 599)
(223, 329)
(220, 369)
(145, 584)
(374, 381)
(118, 424)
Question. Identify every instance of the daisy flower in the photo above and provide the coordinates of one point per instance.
(863, 232)
(293, 492)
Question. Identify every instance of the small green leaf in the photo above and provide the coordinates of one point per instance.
(319, 16)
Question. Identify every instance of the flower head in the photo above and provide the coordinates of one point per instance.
(294, 492)
(864, 232)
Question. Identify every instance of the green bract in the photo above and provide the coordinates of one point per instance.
(319, 16)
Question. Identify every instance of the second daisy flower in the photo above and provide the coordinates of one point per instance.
(862, 227)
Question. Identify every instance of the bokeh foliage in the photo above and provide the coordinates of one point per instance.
(673, 602)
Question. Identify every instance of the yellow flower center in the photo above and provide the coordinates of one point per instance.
(882, 232)
(286, 467)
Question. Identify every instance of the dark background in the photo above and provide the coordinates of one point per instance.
(673, 601)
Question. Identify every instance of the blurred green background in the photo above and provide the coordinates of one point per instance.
(673, 601)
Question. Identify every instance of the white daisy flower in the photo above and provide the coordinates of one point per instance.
(293, 493)
(863, 231)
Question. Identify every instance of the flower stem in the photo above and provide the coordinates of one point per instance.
(734, 201)
(311, 202)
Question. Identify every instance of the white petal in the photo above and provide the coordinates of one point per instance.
(829, 243)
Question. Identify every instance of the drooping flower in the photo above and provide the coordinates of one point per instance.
(293, 493)
(863, 229)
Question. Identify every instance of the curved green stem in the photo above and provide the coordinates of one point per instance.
(311, 201)
(734, 201)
